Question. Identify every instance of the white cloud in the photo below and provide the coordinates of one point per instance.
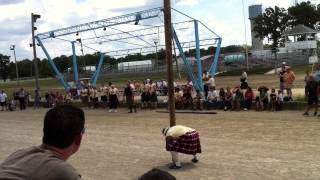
(186, 2)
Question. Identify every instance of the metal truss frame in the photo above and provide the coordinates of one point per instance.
(122, 36)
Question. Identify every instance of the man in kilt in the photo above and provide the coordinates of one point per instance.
(181, 139)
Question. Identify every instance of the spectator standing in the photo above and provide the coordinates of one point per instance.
(289, 78)
(145, 98)
(3, 100)
(306, 79)
(22, 99)
(113, 99)
(128, 92)
(37, 99)
(312, 94)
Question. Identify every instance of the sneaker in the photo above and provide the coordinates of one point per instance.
(245, 109)
(195, 160)
(115, 110)
(174, 167)
(130, 112)
(110, 110)
(305, 114)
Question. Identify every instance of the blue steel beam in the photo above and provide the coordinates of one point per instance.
(185, 60)
(54, 67)
(198, 56)
(213, 68)
(75, 65)
(133, 17)
(96, 75)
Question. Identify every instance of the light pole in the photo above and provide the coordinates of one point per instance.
(156, 44)
(34, 18)
(245, 34)
(12, 48)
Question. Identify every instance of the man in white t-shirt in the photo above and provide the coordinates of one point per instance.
(211, 82)
(3, 100)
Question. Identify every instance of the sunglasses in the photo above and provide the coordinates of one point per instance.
(83, 130)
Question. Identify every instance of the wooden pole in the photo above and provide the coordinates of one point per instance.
(168, 38)
(35, 60)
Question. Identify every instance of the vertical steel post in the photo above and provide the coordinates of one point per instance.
(199, 63)
(75, 65)
(54, 67)
(168, 37)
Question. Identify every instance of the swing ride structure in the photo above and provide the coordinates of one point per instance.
(139, 33)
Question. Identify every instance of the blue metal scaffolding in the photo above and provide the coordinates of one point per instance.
(134, 34)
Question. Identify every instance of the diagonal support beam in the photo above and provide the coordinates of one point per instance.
(75, 65)
(54, 67)
(198, 56)
(96, 75)
(185, 60)
(213, 68)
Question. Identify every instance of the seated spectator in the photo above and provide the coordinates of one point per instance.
(222, 98)
(12, 105)
(153, 99)
(262, 100)
(198, 101)
(187, 99)
(273, 99)
(145, 99)
(238, 99)
(279, 101)
(212, 98)
(248, 98)
(178, 98)
(228, 99)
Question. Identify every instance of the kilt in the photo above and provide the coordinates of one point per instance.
(188, 143)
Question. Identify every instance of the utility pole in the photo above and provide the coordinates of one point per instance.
(245, 34)
(13, 48)
(168, 38)
(34, 18)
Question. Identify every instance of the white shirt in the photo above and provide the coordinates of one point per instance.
(212, 95)
(212, 82)
(3, 97)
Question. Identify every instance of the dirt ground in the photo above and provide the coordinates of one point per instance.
(236, 145)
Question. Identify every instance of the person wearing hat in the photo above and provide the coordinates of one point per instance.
(181, 139)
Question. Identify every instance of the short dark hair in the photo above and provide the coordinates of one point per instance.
(61, 125)
(157, 174)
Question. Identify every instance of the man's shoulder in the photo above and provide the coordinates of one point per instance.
(37, 163)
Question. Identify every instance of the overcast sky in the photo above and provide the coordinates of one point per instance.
(223, 16)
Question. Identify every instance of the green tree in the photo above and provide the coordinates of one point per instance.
(4, 66)
(304, 13)
(271, 24)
